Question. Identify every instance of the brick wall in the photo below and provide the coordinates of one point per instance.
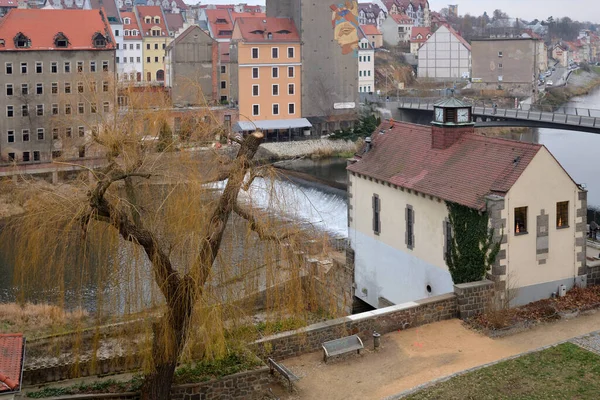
(473, 298)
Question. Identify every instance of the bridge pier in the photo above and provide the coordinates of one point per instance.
(55, 177)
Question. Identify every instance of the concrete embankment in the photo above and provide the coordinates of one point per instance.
(308, 148)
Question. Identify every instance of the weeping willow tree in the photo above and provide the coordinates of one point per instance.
(145, 220)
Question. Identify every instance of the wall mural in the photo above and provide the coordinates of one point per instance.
(345, 25)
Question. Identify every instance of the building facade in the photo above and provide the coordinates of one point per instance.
(116, 25)
(132, 63)
(445, 55)
(399, 225)
(418, 10)
(366, 67)
(508, 64)
(192, 61)
(373, 34)
(155, 39)
(397, 29)
(57, 81)
(418, 37)
(561, 54)
(370, 14)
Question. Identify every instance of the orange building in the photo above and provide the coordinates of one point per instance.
(266, 83)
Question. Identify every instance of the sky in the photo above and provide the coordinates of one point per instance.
(527, 9)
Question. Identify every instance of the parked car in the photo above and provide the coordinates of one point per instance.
(549, 83)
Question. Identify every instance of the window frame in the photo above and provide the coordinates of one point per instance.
(294, 106)
(410, 227)
(293, 52)
(275, 75)
(257, 73)
(275, 86)
(7, 87)
(25, 133)
(275, 53)
(257, 90)
(40, 65)
(257, 113)
(42, 132)
(562, 214)
(273, 109)
(24, 64)
(516, 229)
(39, 110)
(7, 66)
(257, 53)
(10, 133)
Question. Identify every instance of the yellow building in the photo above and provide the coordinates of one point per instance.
(267, 80)
(155, 39)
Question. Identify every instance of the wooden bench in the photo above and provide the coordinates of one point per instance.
(286, 373)
(342, 346)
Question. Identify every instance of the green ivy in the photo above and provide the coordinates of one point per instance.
(473, 250)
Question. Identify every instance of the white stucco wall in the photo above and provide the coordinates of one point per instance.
(135, 66)
(384, 266)
(117, 31)
(540, 187)
(366, 68)
(443, 56)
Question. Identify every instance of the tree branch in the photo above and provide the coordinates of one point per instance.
(258, 228)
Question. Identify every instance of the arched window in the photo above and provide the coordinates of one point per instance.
(160, 75)
(127, 32)
(148, 20)
(126, 21)
(157, 20)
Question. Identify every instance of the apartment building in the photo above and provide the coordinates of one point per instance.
(116, 25)
(366, 66)
(155, 39)
(56, 82)
(132, 63)
(266, 75)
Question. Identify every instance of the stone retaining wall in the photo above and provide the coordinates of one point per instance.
(309, 147)
(473, 298)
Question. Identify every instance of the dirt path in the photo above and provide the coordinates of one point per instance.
(415, 356)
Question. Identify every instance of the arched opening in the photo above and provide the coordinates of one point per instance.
(139, 77)
(149, 76)
(160, 75)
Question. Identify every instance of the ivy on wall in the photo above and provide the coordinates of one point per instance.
(472, 250)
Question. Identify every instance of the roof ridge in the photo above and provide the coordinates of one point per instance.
(499, 140)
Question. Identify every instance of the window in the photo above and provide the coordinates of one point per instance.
(155, 46)
(39, 67)
(290, 72)
(79, 87)
(255, 110)
(54, 133)
(39, 88)
(22, 40)
(275, 109)
(126, 21)
(223, 69)
(291, 109)
(69, 132)
(117, 60)
(82, 152)
(68, 109)
(290, 52)
(105, 86)
(54, 88)
(36, 156)
(500, 54)
(360, 73)
(11, 156)
(106, 106)
(24, 89)
(24, 110)
(80, 108)
(499, 65)
(137, 46)
(23, 67)
(291, 89)
(54, 67)
(40, 133)
(275, 52)
(54, 109)
(39, 110)
(9, 89)
(155, 59)
(520, 220)
(147, 46)
(255, 53)
(255, 90)
(275, 72)
(131, 46)
(116, 32)
(147, 59)
(376, 206)
(562, 214)
(25, 135)
(10, 111)
(254, 72)
(410, 227)
(223, 85)
(105, 66)
(131, 59)
(138, 59)
(67, 88)
(61, 41)
(67, 67)
(79, 66)
(81, 131)
(93, 108)
(25, 156)
(92, 66)
(8, 68)
(275, 90)
(10, 135)
(164, 46)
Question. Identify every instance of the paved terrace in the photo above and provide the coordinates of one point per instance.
(416, 356)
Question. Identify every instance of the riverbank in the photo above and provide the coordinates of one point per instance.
(321, 148)
(580, 83)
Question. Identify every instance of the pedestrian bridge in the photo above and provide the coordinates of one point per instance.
(485, 115)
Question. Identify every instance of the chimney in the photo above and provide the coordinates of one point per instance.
(367, 144)
(443, 137)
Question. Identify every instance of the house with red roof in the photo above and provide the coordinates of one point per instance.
(445, 55)
(57, 68)
(371, 14)
(418, 37)
(407, 177)
(373, 35)
(418, 10)
(397, 29)
(12, 358)
(155, 39)
(560, 53)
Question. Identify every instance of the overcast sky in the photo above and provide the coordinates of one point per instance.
(527, 9)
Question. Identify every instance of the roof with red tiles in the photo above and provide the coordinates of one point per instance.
(110, 6)
(423, 31)
(402, 19)
(465, 173)
(41, 27)
(11, 362)
(219, 23)
(131, 26)
(236, 15)
(370, 30)
(152, 12)
(247, 7)
(267, 30)
(8, 3)
(174, 21)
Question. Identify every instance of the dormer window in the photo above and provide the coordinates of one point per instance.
(99, 40)
(22, 41)
(284, 32)
(220, 21)
(269, 36)
(257, 32)
(148, 20)
(126, 21)
(156, 20)
(155, 32)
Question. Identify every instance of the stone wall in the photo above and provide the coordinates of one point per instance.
(473, 298)
(593, 275)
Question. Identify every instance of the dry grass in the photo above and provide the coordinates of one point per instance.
(37, 319)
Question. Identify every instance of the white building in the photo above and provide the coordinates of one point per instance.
(366, 66)
(116, 25)
(132, 65)
(445, 55)
(399, 190)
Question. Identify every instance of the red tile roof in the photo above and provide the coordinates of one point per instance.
(8, 3)
(151, 11)
(220, 24)
(110, 7)
(370, 30)
(133, 25)
(257, 29)
(41, 26)
(174, 21)
(472, 168)
(402, 19)
(11, 361)
(423, 31)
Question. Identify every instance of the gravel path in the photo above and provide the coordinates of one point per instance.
(590, 342)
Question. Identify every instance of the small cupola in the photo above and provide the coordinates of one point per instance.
(452, 118)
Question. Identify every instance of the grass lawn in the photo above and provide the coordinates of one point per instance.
(562, 372)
